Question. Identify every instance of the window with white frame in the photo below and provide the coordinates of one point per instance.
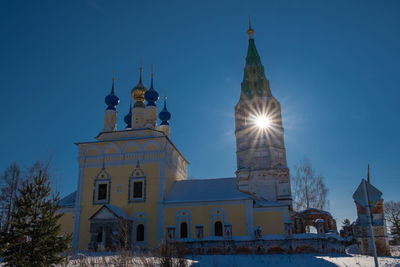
(139, 231)
(217, 221)
(137, 185)
(183, 222)
(101, 192)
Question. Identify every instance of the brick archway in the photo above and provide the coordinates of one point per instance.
(308, 217)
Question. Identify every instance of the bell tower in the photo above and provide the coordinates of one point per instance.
(260, 150)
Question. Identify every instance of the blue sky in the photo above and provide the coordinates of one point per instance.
(333, 65)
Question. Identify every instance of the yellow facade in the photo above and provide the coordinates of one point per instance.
(200, 215)
(271, 222)
(67, 223)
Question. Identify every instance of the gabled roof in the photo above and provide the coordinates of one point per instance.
(204, 190)
(117, 211)
(68, 201)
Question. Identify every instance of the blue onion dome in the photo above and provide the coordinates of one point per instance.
(112, 100)
(151, 95)
(164, 115)
(138, 92)
(128, 117)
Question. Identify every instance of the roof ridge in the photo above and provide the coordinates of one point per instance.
(206, 179)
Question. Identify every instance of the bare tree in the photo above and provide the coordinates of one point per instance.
(309, 190)
(392, 215)
(10, 181)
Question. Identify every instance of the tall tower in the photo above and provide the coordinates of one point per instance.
(260, 149)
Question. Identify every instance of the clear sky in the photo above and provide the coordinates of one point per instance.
(333, 65)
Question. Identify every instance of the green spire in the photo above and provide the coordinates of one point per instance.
(252, 57)
(254, 81)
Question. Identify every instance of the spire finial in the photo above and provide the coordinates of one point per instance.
(141, 71)
(250, 31)
(113, 81)
(152, 75)
(368, 174)
(164, 115)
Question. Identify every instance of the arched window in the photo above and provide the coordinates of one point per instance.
(184, 230)
(218, 228)
(140, 232)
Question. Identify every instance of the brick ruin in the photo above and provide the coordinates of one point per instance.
(362, 234)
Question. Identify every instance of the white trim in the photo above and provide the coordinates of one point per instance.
(109, 145)
(151, 142)
(249, 218)
(132, 181)
(206, 203)
(136, 221)
(92, 147)
(75, 236)
(128, 144)
(179, 218)
(268, 209)
(160, 204)
(217, 217)
(98, 182)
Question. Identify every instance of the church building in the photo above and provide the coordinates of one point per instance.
(133, 186)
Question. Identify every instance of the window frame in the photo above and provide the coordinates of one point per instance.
(132, 181)
(98, 182)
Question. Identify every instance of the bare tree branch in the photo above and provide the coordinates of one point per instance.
(309, 190)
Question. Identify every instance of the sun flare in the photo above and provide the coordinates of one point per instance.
(263, 122)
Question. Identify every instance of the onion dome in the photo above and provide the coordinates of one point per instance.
(112, 100)
(128, 117)
(164, 115)
(151, 95)
(138, 91)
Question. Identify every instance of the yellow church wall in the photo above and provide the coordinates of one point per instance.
(200, 214)
(67, 223)
(170, 177)
(120, 178)
(271, 222)
(116, 147)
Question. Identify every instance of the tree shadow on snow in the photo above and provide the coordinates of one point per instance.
(281, 260)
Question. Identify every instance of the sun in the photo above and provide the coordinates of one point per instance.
(263, 122)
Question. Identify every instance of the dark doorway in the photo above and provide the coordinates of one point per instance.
(218, 228)
(184, 230)
(140, 232)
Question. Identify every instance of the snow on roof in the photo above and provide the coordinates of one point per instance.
(313, 211)
(117, 211)
(202, 190)
(259, 203)
(68, 201)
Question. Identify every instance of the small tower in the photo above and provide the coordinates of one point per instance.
(260, 149)
(151, 97)
(138, 109)
(128, 117)
(110, 115)
(165, 116)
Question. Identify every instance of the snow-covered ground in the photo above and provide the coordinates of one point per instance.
(298, 260)
(281, 260)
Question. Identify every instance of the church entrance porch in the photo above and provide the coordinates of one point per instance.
(110, 229)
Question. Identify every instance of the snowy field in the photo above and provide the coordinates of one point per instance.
(279, 260)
